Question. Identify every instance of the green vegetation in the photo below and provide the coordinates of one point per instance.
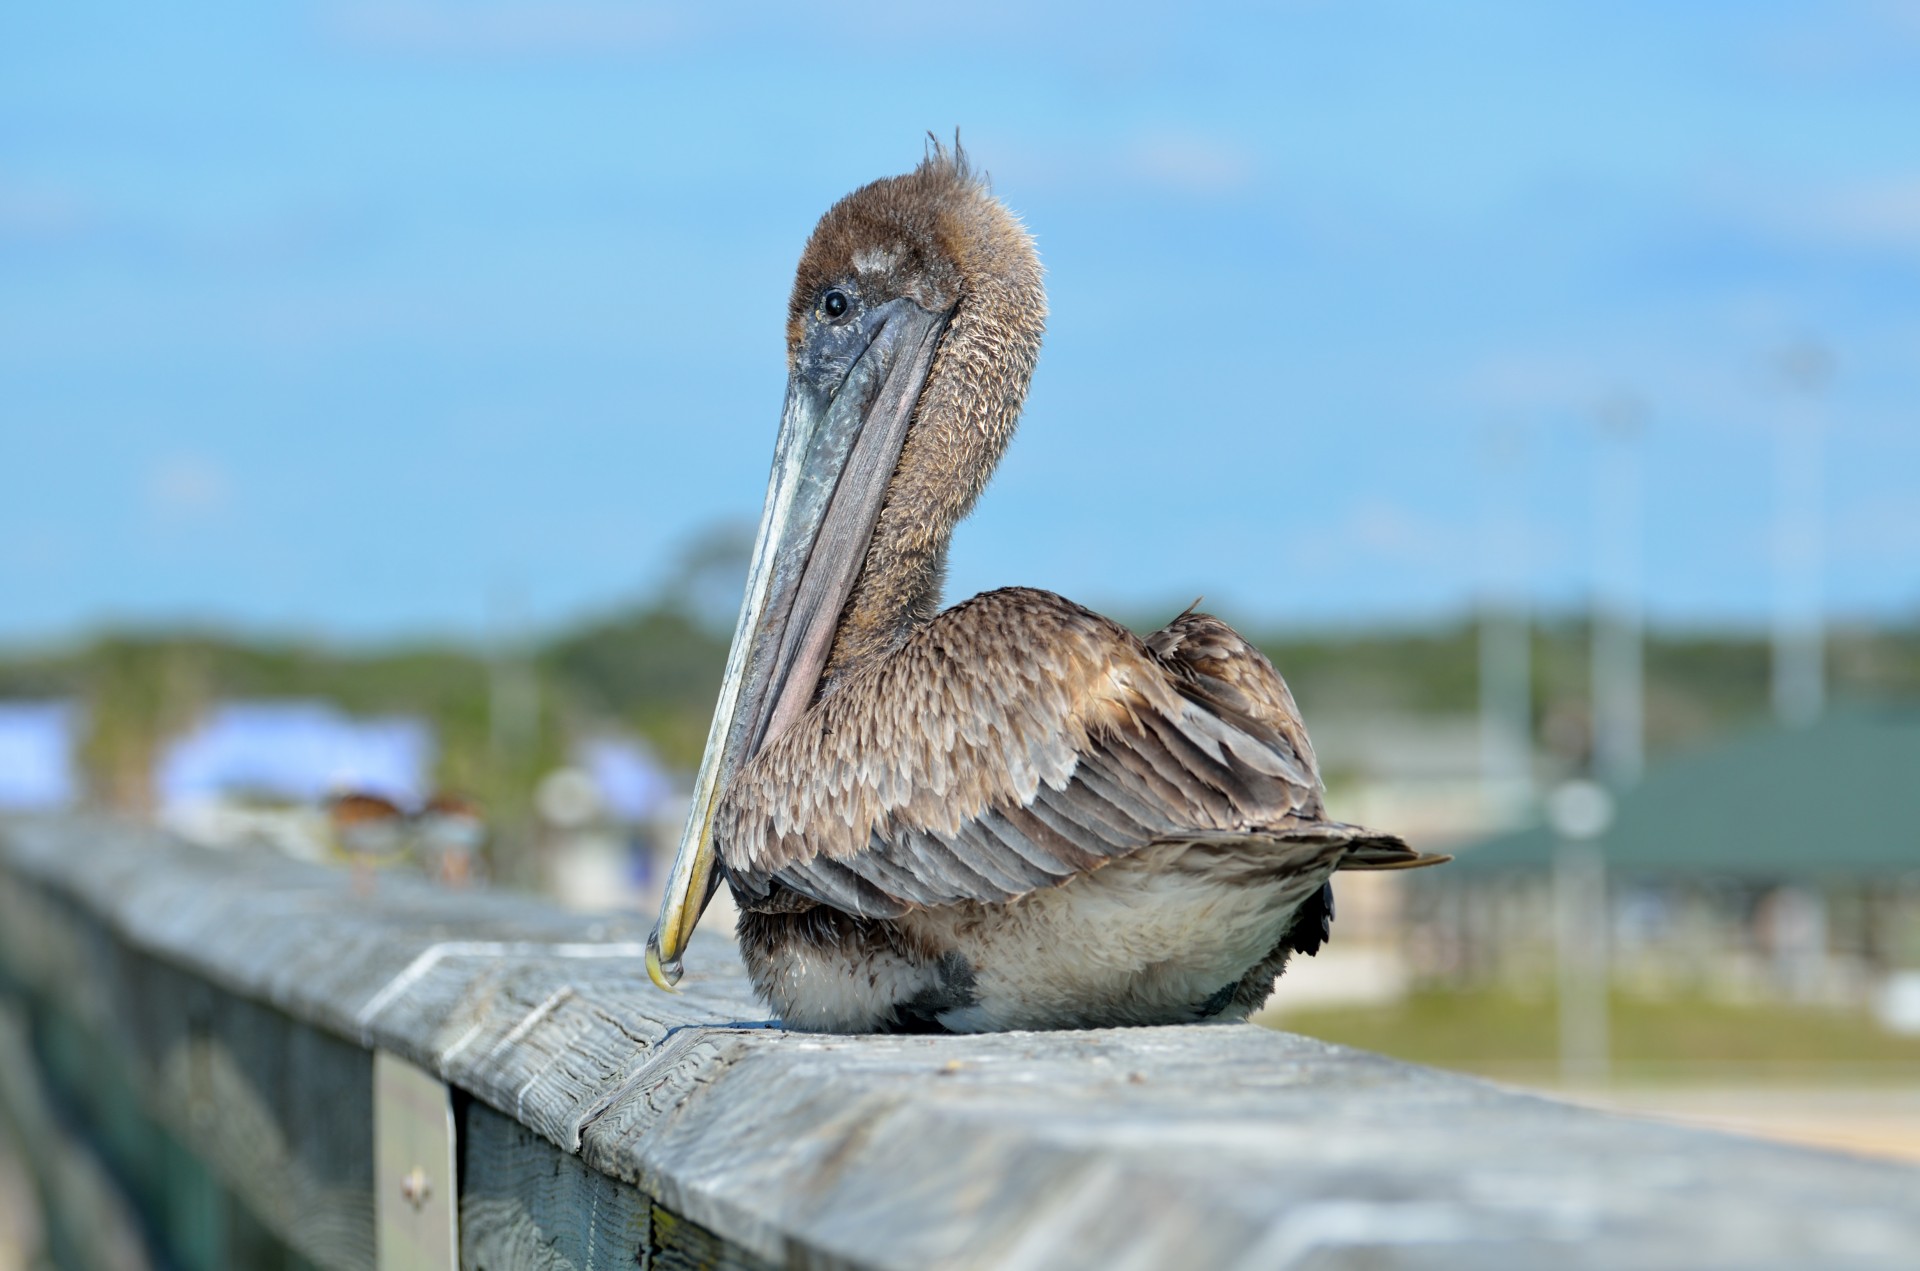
(654, 668)
(1698, 684)
(1501, 1035)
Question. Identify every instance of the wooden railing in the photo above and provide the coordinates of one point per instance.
(235, 1060)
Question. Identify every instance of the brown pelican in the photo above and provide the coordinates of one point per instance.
(1014, 813)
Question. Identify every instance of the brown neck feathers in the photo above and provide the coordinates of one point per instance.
(965, 417)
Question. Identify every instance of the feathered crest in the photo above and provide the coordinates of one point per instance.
(953, 164)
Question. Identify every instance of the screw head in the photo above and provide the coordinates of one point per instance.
(416, 1187)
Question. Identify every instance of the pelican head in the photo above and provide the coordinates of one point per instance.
(915, 321)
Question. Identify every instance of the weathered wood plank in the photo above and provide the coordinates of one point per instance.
(525, 1203)
(90, 1224)
(278, 1111)
(1218, 1146)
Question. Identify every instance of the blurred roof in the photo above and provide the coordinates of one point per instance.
(36, 755)
(299, 750)
(1840, 797)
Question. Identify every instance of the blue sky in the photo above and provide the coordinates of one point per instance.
(352, 318)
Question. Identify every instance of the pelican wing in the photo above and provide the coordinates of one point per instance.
(1019, 740)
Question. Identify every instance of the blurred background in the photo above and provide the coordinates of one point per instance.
(386, 392)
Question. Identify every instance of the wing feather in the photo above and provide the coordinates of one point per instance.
(1074, 835)
(1047, 855)
(1016, 741)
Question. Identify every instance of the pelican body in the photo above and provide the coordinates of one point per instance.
(1013, 813)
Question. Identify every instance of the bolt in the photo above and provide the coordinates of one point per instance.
(416, 1187)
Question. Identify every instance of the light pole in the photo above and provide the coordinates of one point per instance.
(513, 695)
(1799, 636)
(1580, 812)
(1618, 687)
(1506, 665)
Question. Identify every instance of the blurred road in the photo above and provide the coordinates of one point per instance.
(1863, 1121)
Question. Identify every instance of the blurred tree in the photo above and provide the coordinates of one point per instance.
(654, 668)
(138, 692)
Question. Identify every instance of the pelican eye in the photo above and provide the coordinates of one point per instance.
(834, 304)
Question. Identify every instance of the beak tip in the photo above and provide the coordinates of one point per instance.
(665, 974)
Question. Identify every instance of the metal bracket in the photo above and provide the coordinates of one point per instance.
(414, 1202)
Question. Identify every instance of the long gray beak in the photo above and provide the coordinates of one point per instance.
(837, 451)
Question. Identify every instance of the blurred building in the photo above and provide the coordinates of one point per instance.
(1425, 779)
(1782, 864)
(39, 742)
(603, 820)
(261, 770)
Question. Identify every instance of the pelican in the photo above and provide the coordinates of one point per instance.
(1014, 813)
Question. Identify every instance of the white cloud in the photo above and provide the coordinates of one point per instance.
(183, 488)
(39, 213)
(1884, 215)
(1188, 162)
(1381, 530)
(1899, 17)
(1533, 382)
(567, 26)
(1884, 529)
(1880, 215)
(1162, 159)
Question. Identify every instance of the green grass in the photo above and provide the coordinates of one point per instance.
(1501, 1035)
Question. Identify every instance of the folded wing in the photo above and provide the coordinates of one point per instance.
(1017, 741)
